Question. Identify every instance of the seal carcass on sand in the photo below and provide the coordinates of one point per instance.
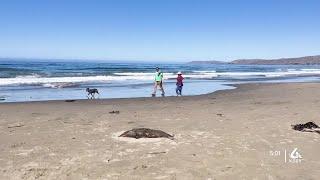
(145, 133)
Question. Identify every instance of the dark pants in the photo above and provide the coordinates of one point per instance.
(179, 90)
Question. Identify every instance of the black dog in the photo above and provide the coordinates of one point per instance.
(92, 92)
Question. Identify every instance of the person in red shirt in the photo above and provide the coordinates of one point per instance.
(179, 84)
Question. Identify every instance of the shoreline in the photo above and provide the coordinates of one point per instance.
(46, 94)
(227, 134)
(234, 87)
(227, 86)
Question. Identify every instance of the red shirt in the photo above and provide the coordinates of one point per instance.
(179, 80)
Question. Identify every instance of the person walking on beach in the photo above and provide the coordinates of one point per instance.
(158, 82)
(179, 84)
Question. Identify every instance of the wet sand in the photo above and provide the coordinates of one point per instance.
(231, 134)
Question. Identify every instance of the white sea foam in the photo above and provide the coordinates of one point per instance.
(150, 76)
(310, 69)
(213, 71)
(60, 85)
(50, 80)
(140, 74)
(291, 72)
(61, 82)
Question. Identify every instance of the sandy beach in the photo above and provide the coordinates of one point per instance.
(232, 134)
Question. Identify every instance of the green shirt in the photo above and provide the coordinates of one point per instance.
(158, 76)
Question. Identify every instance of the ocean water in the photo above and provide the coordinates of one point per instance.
(36, 81)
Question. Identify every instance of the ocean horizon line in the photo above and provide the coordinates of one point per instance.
(88, 60)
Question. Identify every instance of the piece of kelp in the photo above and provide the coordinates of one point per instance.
(70, 100)
(114, 112)
(306, 127)
(301, 127)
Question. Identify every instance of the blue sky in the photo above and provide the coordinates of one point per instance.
(159, 30)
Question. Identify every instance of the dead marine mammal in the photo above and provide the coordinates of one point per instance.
(146, 133)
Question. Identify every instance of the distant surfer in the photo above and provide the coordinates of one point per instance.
(158, 82)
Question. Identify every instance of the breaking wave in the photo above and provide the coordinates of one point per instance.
(62, 82)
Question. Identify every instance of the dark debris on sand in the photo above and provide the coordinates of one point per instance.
(220, 114)
(307, 127)
(146, 133)
(16, 126)
(114, 112)
(70, 100)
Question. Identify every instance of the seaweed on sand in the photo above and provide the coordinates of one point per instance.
(307, 127)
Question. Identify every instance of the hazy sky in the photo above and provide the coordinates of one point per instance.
(177, 30)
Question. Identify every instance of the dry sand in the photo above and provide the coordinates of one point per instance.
(231, 134)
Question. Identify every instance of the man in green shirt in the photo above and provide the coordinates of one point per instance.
(158, 82)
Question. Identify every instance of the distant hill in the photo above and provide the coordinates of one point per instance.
(307, 60)
(207, 62)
